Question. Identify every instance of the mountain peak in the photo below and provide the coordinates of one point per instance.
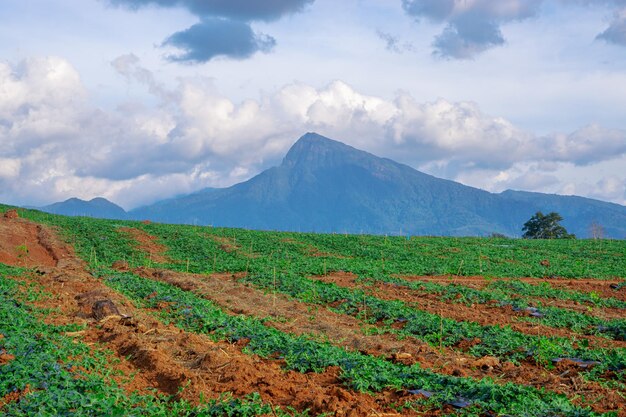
(97, 207)
(310, 141)
(313, 148)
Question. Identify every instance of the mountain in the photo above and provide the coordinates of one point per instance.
(98, 207)
(326, 186)
(578, 213)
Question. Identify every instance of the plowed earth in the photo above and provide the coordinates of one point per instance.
(153, 355)
(300, 318)
(601, 287)
(484, 314)
(295, 317)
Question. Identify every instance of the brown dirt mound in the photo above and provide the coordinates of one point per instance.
(5, 358)
(11, 214)
(26, 244)
(600, 287)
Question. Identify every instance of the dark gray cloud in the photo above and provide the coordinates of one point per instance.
(467, 36)
(246, 10)
(224, 29)
(616, 32)
(215, 37)
(437, 10)
(473, 27)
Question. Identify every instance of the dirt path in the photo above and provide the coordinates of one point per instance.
(26, 244)
(301, 318)
(483, 314)
(155, 355)
(147, 244)
(600, 287)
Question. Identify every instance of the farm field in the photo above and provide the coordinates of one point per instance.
(103, 317)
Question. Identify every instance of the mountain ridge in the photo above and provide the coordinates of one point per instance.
(323, 185)
(98, 207)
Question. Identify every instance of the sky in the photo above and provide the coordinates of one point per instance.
(141, 100)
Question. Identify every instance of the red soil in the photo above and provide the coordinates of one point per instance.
(148, 244)
(599, 286)
(295, 317)
(26, 244)
(154, 355)
(484, 314)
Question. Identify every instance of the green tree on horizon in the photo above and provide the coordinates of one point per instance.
(541, 226)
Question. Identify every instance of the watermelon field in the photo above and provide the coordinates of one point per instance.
(121, 318)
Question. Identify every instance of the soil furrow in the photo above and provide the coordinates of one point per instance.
(153, 355)
(296, 317)
(600, 287)
(483, 314)
(147, 244)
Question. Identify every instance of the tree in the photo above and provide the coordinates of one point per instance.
(547, 226)
(596, 230)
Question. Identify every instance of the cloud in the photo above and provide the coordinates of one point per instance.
(585, 146)
(607, 188)
(393, 44)
(472, 26)
(242, 10)
(610, 188)
(57, 144)
(9, 168)
(467, 37)
(616, 32)
(224, 29)
(215, 37)
(128, 66)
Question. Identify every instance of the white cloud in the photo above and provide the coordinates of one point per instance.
(590, 144)
(9, 168)
(56, 144)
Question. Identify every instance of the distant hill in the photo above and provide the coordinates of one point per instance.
(578, 213)
(326, 186)
(98, 208)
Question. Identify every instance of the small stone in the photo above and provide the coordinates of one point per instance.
(104, 308)
(401, 356)
(487, 363)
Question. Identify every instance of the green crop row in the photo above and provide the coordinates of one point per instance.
(292, 267)
(545, 290)
(372, 255)
(480, 256)
(505, 293)
(502, 342)
(197, 251)
(53, 375)
(359, 371)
